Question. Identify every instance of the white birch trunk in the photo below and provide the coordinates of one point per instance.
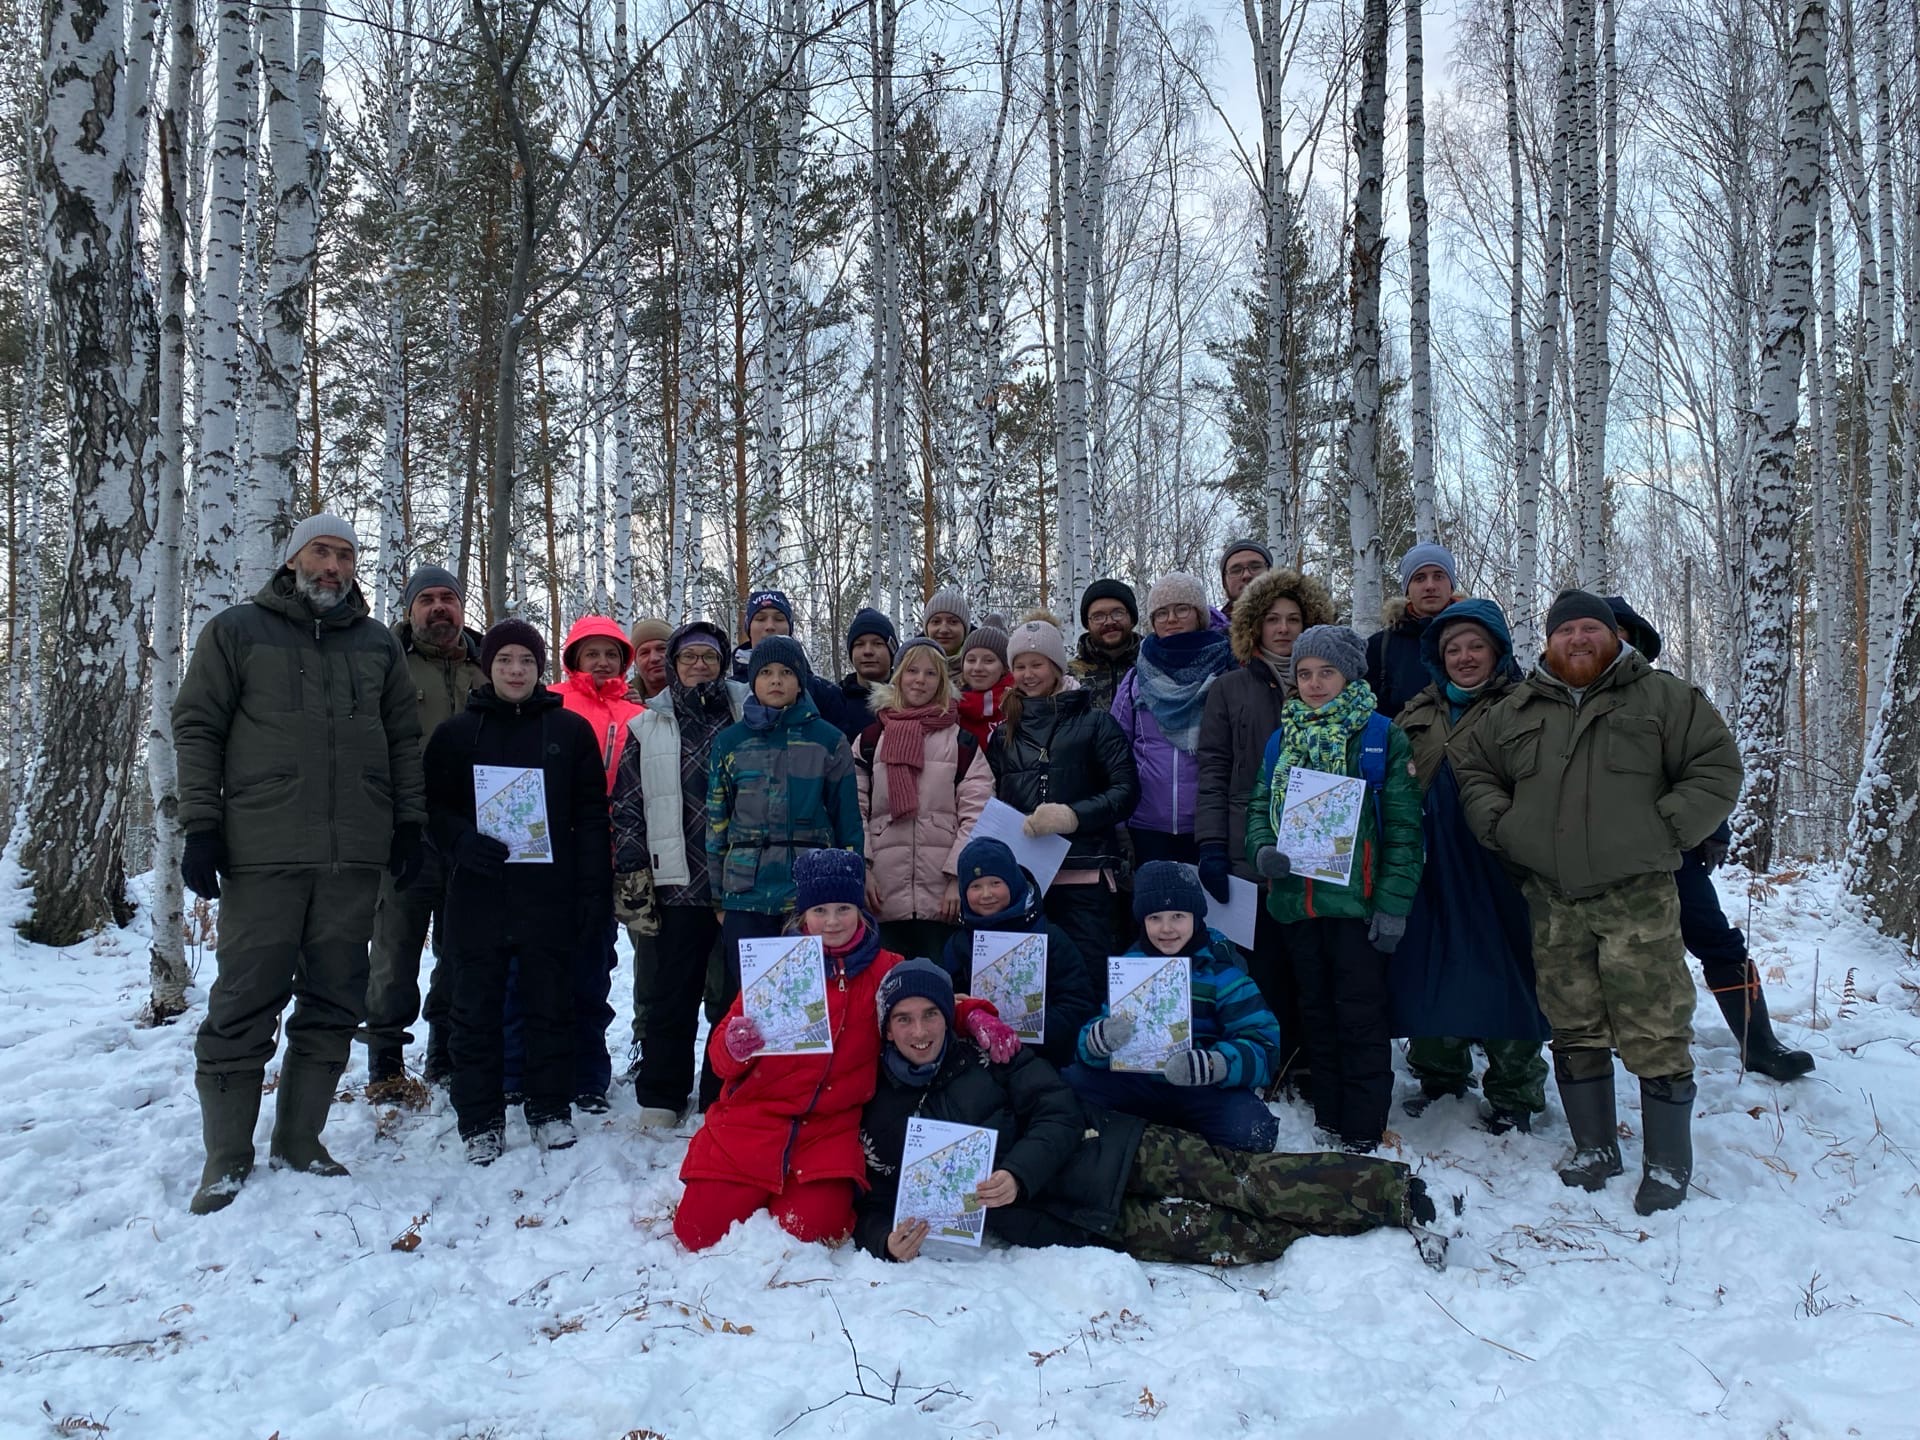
(1525, 607)
(216, 583)
(683, 584)
(778, 291)
(622, 497)
(989, 321)
(1369, 250)
(167, 964)
(1527, 506)
(291, 70)
(1773, 425)
(94, 139)
(1420, 328)
(1884, 584)
(390, 580)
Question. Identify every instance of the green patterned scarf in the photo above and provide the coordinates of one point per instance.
(1317, 739)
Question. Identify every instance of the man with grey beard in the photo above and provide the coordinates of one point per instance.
(298, 737)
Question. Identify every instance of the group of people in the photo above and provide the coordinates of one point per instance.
(1532, 857)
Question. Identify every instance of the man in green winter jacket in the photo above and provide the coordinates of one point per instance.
(1591, 777)
(298, 735)
(443, 668)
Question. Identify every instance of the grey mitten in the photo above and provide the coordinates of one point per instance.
(1196, 1067)
(1386, 932)
(1272, 863)
(1108, 1034)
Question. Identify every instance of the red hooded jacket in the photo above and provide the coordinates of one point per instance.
(604, 706)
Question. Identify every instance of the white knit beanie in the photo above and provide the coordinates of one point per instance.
(1039, 638)
(1177, 588)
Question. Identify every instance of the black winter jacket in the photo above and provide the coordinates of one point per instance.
(1072, 1161)
(525, 905)
(1071, 998)
(1065, 752)
(1243, 710)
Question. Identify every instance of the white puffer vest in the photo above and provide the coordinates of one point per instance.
(657, 733)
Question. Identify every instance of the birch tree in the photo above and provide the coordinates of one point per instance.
(99, 57)
(292, 69)
(1420, 328)
(1369, 250)
(1771, 448)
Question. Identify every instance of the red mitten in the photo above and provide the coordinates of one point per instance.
(742, 1038)
(993, 1035)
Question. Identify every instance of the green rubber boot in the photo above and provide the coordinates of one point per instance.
(229, 1106)
(300, 1114)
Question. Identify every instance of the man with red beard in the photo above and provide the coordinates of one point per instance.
(1592, 776)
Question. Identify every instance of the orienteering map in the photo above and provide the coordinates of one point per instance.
(941, 1168)
(783, 990)
(1157, 992)
(510, 804)
(1320, 824)
(1010, 969)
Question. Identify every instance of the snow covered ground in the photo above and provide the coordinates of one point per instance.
(545, 1297)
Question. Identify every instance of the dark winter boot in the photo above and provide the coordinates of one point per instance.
(1417, 1103)
(1746, 1012)
(1596, 1133)
(1498, 1120)
(300, 1114)
(229, 1105)
(1666, 1125)
(438, 1069)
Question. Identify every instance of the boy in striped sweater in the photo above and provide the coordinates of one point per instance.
(1209, 1087)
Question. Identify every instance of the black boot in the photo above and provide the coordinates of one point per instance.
(385, 1066)
(229, 1105)
(438, 1069)
(1746, 1012)
(301, 1105)
(1596, 1133)
(1418, 1103)
(1666, 1125)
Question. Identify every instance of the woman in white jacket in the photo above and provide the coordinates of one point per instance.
(661, 889)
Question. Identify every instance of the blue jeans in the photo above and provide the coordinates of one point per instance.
(1233, 1118)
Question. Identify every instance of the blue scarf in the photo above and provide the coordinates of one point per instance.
(1172, 677)
(918, 1076)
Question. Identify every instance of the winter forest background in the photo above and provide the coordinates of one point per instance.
(628, 307)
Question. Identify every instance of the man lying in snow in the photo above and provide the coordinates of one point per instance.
(1073, 1175)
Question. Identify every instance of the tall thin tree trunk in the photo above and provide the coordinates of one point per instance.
(1769, 595)
(390, 582)
(1369, 250)
(1420, 327)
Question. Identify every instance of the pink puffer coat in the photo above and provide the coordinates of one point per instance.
(911, 861)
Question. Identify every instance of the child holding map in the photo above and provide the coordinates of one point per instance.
(1333, 823)
(517, 801)
(996, 897)
(1068, 1174)
(784, 1133)
(1207, 1081)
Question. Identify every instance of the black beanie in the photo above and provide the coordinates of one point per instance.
(1167, 885)
(1579, 605)
(1110, 590)
(507, 632)
(916, 979)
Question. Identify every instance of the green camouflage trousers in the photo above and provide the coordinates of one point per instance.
(1516, 1077)
(1612, 973)
(1189, 1202)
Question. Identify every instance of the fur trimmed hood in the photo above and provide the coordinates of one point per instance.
(1316, 607)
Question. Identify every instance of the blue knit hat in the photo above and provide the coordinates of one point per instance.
(760, 600)
(829, 877)
(1428, 554)
(916, 979)
(1167, 885)
(871, 622)
(982, 859)
(779, 650)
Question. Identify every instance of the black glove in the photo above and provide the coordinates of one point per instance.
(406, 855)
(482, 854)
(1713, 851)
(1215, 871)
(202, 861)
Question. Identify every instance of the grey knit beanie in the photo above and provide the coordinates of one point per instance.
(1039, 638)
(313, 527)
(1338, 645)
(1178, 588)
(947, 600)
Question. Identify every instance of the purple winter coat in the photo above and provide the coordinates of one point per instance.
(1169, 777)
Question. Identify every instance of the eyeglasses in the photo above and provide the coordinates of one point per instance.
(703, 657)
(1247, 571)
(1175, 612)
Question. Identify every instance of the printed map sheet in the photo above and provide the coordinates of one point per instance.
(510, 804)
(1320, 824)
(783, 990)
(1156, 990)
(1010, 969)
(941, 1168)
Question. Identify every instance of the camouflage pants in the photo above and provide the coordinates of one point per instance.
(1191, 1202)
(1613, 974)
(1516, 1077)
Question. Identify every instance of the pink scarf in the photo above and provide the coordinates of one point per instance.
(905, 734)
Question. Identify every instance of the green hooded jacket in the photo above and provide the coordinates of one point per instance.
(441, 681)
(298, 735)
(1587, 791)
